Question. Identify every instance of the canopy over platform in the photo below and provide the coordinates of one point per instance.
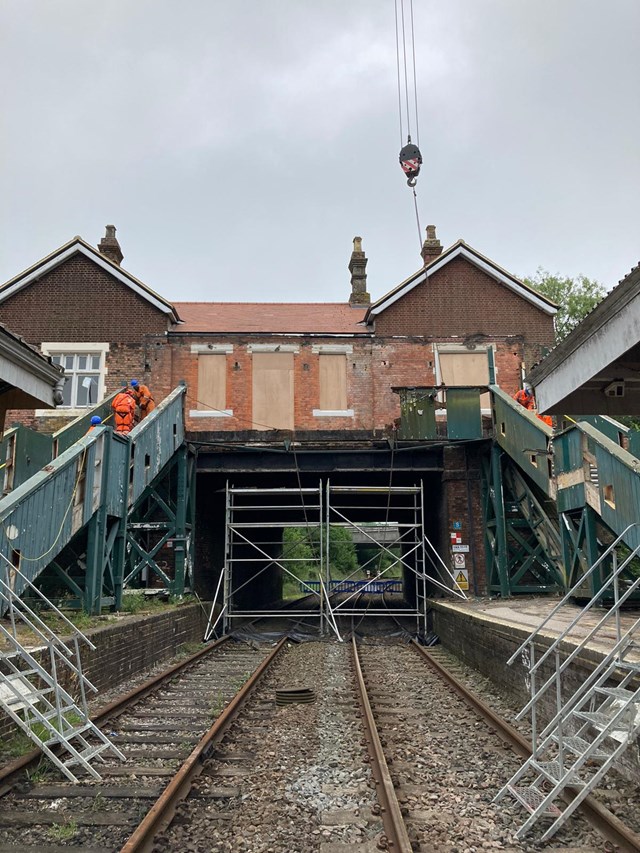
(596, 368)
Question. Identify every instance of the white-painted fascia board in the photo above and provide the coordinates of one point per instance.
(603, 347)
(462, 251)
(37, 273)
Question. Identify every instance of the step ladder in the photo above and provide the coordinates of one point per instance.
(31, 692)
(590, 729)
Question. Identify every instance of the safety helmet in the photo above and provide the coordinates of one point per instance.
(527, 388)
(95, 420)
(134, 383)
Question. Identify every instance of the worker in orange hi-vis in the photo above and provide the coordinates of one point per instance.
(96, 420)
(143, 398)
(525, 397)
(124, 410)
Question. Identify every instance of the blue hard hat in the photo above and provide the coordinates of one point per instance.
(134, 383)
(95, 420)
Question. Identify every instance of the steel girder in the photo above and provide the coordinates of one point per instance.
(521, 541)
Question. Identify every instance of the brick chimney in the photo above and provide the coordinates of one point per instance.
(109, 246)
(432, 247)
(357, 268)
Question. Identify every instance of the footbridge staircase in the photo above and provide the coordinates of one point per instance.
(555, 502)
(102, 507)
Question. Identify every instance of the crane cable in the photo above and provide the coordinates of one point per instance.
(410, 156)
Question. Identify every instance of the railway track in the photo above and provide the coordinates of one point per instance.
(157, 727)
(388, 756)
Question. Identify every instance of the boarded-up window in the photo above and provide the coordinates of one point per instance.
(212, 381)
(465, 367)
(333, 383)
(272, 390)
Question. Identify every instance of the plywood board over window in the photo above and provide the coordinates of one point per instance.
(333, 382)
(464, 367)
(212, 381)
(272, 390)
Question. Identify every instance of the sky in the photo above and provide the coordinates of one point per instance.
(238, 146)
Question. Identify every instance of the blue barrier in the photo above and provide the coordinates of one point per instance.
(375, 587)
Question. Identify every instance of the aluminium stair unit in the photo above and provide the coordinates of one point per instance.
(31, 693)
(593, 727)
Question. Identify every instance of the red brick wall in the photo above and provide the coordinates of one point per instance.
(79, 301)
(373, 368)
(461, 300)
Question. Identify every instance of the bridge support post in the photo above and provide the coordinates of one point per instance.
(495, 526)
(180, 541)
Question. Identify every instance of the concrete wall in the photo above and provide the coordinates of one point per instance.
(486, 646)
(131, 646)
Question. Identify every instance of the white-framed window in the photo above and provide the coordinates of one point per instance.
(84, 366)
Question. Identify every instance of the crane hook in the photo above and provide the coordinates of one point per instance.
(410, 162)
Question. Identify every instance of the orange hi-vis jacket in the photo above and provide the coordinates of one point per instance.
(124, 409)
(524, 399)
(144, 399)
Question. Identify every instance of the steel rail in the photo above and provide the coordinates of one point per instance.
(611, 827)
(112, 709)
(396, 839)
(161, 813)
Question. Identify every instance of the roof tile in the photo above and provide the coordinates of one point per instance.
(274, 317)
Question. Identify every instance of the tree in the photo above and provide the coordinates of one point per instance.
(575, 297)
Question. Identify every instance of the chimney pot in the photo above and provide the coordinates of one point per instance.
(357, 268)
(109, 246)
(431, 247)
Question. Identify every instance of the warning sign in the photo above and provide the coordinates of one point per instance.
(460, 549)
(462, 579)
(459, 561)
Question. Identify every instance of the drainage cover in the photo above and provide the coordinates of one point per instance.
(294, 695)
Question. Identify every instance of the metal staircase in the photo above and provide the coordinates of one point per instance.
(589, 730)
(31, 692)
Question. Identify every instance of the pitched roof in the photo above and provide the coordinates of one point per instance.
(461, 249)
(603, 347)
(73, 247)
(331, 318)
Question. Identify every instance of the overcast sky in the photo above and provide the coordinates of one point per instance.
(239, 145)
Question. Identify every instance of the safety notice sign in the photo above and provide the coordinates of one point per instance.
(460, 549)
(462, 579)
(459, 561)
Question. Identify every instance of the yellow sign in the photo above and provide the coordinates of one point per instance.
(462, 579)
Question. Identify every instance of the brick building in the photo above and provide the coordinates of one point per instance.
(252, 367)
(259, 375)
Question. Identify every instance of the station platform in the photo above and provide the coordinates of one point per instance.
(486, 632)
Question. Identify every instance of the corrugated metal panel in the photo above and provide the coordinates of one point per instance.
(22, 452)
(155, 440)
(38, 518)
(118, 480)
(568, 451)
(417, 413)
(613, 429)
(72, 432)
(464, 420)
(619, 487)
(524, 437)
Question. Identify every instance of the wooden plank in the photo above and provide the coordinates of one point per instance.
(212, 381)
(333, 382)
(272, 390)
(33, 818)
(124, 792)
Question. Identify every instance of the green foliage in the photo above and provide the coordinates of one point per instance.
(575, 297)
(63, 831)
